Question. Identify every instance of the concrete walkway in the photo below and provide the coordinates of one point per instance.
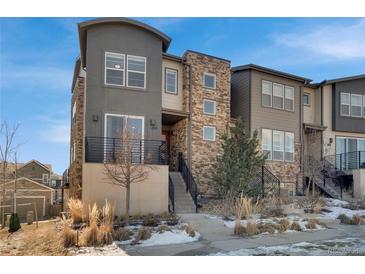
(215, 237)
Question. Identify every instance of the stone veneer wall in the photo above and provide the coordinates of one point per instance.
(179, 142)
(204, 153)
(77, 129)
(289, 173)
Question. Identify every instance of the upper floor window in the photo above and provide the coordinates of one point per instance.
(136, 71)
(114, 69)
(345, 104)
(356, 105)
(289, 98)
(74, 109)
(266, 93)
(278, 96)
(209, 107)
(363, 104)
(306, 99)
(171, 81)
(209, 80)
(278, 145)
(45, 178)
(209, 133)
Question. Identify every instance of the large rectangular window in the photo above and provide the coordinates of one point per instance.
(278, 145)
(209, 133)
(363, 105)
(278, 96)
(136, 68)
(209, 80)
(345, 104)
(114, 69)
(171, 81)
(289, 98)
(266, 93)
(307, 99)
(289, 146)
(267, 143)
(209, 107)
(356, 105)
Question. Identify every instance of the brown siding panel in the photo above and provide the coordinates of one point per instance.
(240, 96)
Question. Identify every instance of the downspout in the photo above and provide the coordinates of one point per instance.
(301, 135)
(321, 90)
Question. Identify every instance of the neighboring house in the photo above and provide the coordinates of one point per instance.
(179, 107)
(269, 102)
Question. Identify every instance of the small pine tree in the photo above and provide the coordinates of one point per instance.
(238, 164)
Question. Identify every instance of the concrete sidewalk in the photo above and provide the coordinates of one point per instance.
(215, 237)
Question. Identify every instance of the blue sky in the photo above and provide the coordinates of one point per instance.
(37, 57)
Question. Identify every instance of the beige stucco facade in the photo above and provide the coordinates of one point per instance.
(150, 196)
(359, 183)
(172, 101)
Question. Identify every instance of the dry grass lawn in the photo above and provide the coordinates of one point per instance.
(32, 241)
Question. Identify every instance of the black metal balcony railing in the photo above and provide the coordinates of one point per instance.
(347, 161)
(107, 150)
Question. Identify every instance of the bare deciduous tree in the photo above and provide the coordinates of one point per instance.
(313, 165)
(126, 166)
(7, 150)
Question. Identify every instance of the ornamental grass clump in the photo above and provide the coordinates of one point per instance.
(295, 226)
(251, 229)
(68, 235)
(121, 234)
(190, 231)
(143, 233)
(283, 225)
(312, 224)
(75, 207)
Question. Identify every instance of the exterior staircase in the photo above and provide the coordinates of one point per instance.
(182, 199)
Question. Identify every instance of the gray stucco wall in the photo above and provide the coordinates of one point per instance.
(341, 123)
(101, 99)
(264, 117)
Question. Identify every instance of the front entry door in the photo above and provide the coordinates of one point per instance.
(165, 136)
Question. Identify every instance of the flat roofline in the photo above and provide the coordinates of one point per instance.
(204, 54)
(271, 71)
(343, 79)
(171, 57)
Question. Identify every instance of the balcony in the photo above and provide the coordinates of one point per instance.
(137, 151)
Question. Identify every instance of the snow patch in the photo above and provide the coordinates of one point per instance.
(170, 237)
(107, 250)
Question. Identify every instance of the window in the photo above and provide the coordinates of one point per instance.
(363, 105)
(171, 81)
(278, 145)
(306, 99)
(209, 107)
(209, 80)
(289, 98)
(74, 110)
(209, 133)
(289, 146)
(345, 104)
(53, 182)
(278, 96)
(45, 178)
(136, 67)
(114, 69)
(356, 105)
(266, 93)
(267, 142)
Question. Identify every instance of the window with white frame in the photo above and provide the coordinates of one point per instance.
(209, 107)
(289, 98)
(136, 71)
(45, 178)
(171, 81)
(209, 133)
(278, 96)
(356, 105)
(114, 69)
(266, 93)
(289, 146)
(363, 105)
(267, 143)
(74, 109)
(345, 104)
(209, 80)
(307, 99)
(278, 145)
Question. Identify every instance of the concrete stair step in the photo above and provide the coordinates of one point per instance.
(183, 201)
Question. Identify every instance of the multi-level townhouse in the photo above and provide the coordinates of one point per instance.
(335, 110)
(178, 107)
(270, 102)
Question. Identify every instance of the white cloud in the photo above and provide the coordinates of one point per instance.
(56, 131)
(340, 41)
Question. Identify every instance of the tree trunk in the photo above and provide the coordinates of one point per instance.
(127, 204)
